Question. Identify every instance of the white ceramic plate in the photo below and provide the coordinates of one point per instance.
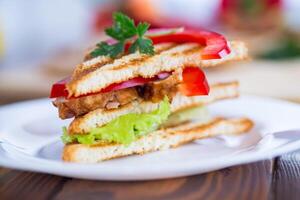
(30, 134)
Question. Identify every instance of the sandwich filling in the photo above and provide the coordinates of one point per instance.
(129, 127)
(151, 91)
(124, 129)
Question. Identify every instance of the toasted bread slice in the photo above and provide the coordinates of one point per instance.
(99, 117)
(96, 74)
(158, 140)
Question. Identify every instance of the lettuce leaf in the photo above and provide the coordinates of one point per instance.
(124, 129)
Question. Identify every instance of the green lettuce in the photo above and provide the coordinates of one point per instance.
(124, 129)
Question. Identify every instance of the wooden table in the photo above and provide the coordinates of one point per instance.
(270, 179)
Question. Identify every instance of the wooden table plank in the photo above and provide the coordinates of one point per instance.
(27, 185)
(251, 181)
(286, 177)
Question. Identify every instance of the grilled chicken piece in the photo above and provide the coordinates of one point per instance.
(154, 92)
(82, 105)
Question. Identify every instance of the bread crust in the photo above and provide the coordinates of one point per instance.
(158, 140)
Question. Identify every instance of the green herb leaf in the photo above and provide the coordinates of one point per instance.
(105, 49)
(123, 27)
(123, 30)
(144, 45)
(142, 28)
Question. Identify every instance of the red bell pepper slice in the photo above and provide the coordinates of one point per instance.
(194, 82)
(59, 88)
(215, 44)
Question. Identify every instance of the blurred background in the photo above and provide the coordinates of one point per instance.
(42, 41)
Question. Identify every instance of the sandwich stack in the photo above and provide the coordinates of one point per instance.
(150, 94)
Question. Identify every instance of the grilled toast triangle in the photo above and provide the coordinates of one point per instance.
(93, 75)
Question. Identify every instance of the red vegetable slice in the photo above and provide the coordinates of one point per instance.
(194, 82)
(59, 88)
(135, 82)
(215, 44)
(130, 83)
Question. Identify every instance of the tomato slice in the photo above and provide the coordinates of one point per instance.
(59, 88)
(194, 82)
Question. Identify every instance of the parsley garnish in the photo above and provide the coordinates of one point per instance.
(123, 30)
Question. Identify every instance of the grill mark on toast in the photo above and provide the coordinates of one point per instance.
(132, 64)
(88, 69)
(136, 62)
(245, 121)
(143, 58)
(83, 70)
(168, 131)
